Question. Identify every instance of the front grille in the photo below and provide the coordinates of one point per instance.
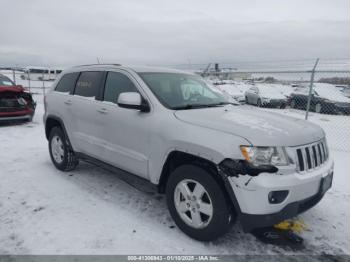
(311, 156)
(11, 109)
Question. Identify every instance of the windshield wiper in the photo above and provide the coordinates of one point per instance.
(221, 104)
(194, 106)
(189, 106)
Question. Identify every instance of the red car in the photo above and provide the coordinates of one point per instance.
(15, 102)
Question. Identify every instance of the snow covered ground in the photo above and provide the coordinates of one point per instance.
(93, 211)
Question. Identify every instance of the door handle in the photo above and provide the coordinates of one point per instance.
(102, 110)
(68, 102)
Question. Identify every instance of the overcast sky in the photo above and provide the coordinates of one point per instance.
(48, 32)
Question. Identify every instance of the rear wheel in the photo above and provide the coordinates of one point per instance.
(61, 153)
(258, 103)
(197, 203)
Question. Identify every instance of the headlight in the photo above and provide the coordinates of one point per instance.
(265, 155)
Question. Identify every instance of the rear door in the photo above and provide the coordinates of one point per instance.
(59, 101)
(84, 106)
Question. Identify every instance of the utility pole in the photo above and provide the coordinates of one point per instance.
(28, 75)
(43, 82)
(189, 64)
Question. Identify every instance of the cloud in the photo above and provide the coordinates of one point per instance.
(41, 32)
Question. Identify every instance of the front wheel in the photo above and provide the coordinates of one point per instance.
(197, 203)
(61, 153)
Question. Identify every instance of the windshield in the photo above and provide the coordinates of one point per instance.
(6, 82)
(273, 90)
(182, 91)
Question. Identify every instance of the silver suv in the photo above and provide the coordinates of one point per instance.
(215, 161)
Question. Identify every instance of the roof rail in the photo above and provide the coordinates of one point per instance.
(98, 65)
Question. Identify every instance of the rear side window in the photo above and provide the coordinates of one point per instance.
(117, 83)
(88, 84)
(67, 83)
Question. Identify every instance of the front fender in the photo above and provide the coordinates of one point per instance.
(206, 143)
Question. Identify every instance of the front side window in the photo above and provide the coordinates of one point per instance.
(88, 84)
(182, 91)
(117, 83)
(67, 83)
(4, 81)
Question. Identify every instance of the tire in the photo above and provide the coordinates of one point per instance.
(214, 221)
(258, 103)
(61, 153)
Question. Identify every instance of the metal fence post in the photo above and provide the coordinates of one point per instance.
(43, 76)
(28, 75)
(14, 75)
(310, 89)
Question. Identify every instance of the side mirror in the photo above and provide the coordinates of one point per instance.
(132, 100)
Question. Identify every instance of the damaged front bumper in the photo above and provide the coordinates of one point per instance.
(251, 195)
(16, 106)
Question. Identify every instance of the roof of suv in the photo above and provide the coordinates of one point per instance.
(137, 69)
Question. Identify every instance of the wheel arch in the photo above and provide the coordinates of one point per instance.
(178, 158)
(51, 122)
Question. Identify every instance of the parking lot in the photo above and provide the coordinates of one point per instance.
(93, 211)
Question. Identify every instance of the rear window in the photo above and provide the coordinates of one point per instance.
(67, 83)
(88, 84)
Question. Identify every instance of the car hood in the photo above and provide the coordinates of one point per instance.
(17, 89)
(260, 128)
(273, 96)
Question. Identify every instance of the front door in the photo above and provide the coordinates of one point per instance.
(125, 132)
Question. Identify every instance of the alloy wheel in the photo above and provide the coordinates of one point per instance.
(193, 203)
(57, 149)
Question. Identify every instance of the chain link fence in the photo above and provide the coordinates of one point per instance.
(318, 94)
(33, 82)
